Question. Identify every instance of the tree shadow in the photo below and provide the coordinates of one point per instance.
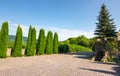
(116, 68)
(83, 55)
(100, 71)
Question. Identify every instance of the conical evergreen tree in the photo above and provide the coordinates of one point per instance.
(33, 42)
(49, 43)
(55, 43)
(105, 26)
(41, 42)
(27, 50)
(4, 40)
(17, 50)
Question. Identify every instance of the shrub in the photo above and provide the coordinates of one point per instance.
(78, 48)
(63, 48)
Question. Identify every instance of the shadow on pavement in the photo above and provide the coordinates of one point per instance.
(84, 55)
(116, 68)
(100, 71)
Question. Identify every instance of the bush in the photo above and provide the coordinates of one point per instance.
(63, 48)
(78, 48)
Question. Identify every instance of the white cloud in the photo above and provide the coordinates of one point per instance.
(67, 33)
(62, 32)
(13, 29)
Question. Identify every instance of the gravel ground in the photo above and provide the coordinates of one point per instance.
(56, 65)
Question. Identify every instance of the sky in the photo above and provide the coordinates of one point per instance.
(69, 18)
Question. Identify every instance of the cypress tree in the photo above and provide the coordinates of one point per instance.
(4, 40)
(41, 42)
(17, 50)
(33, 42)
(49, 43)
(105, 26)
(27, 51)
(55, 43)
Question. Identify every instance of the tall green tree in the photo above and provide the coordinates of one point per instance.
(55, 43)
(33, 42)
(105, 25)
(49, 43)
(4, 40)
(17, 50)
(27, 50)
(41, 42)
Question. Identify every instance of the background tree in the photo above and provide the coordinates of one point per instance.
(17, 50)
(49, 43)
(4, 40)
(82, 40)
(55, 43)
(41, 42)
(105, 26)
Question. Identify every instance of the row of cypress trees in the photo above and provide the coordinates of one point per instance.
(43, 45)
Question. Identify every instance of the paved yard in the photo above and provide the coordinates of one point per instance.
(56, 65)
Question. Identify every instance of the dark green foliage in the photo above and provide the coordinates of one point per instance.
(55, 43)
(17, 50)
(4, 40)
(105, 26)
(49, 43)
(63, 48)
(31, 42)
(41, 43)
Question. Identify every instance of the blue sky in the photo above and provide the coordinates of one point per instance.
(70, 18)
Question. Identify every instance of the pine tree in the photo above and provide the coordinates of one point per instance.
(105, 26)
(49, 43)
(17, 50)
(33, 42)
(55, 43)
(4, 40)
(41, 42)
